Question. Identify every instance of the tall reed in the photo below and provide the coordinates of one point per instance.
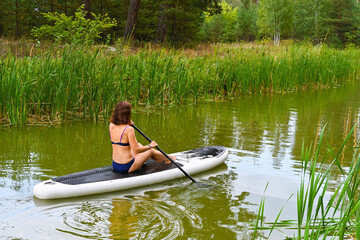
(86, 82)
(319, 217)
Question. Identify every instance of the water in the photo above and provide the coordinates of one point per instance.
(264, 135)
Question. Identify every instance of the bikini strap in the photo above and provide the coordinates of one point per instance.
(123, 132)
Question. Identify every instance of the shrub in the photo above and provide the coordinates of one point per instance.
(74, 29)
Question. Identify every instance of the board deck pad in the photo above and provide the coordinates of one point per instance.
(107, 173)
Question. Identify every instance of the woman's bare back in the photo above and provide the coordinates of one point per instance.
(121, 154)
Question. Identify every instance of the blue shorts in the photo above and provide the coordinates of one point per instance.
(122, 167)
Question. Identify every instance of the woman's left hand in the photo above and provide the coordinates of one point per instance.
(131, 123)
(153, 144)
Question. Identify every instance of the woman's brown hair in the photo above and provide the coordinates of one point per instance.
(122, 113)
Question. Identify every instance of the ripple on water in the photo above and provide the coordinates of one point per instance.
(153, 215)
(167, 213)
(89, 219)
(142, 217)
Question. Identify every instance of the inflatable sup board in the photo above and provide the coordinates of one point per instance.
(105, 179)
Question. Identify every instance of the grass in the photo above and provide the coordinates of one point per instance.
(317, 217)
(54, 83)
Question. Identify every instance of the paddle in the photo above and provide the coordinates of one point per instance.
(167, 156)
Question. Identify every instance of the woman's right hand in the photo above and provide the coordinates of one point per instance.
(153, 144)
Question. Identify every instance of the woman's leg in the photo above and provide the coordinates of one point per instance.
(139, 161)
(141, 158)
(159, 157)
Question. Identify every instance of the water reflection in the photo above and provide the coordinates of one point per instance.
(184, 211)
(179, 210)
(265, 135)
(122, 222)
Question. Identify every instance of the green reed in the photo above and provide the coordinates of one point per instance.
(319, 217)
(86, 82)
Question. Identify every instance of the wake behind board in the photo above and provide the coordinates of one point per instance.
(105, 179)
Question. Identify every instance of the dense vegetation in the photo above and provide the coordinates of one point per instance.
(83, 82)
(335, 22)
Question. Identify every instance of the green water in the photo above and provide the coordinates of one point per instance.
(264, 135)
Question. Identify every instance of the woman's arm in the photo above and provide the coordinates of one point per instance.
(135, 146)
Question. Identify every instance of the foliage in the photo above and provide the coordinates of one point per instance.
(333, 22)
(83, 82)
(147, 20)
(181, 20)
(340, 20)
(74, 29)
(230, 24)
(310, 20)
(246, 22)
(222, 26)
(275, 18)
(353, 36)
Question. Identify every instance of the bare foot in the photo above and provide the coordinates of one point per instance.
(172, 157)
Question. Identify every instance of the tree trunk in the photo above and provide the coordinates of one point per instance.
(1, 31)
(161, 28)
(317, 37)
(17, 18)
(131, 19)
(65, 7)
(86, 4)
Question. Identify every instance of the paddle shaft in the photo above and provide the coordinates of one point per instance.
(167, 156)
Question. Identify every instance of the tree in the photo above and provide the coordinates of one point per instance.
(147, 20)
(1, 21)
(340, 21)
(131, 19)
(161, 24)
(222, 26)
(309, 19)
(180, 21)
(246, 21)
(87, 10)
(275, 18)
(15, 16)
(353, 36)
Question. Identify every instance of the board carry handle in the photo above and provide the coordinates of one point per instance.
(167, 156)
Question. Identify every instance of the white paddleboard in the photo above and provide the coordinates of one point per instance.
(105, 179)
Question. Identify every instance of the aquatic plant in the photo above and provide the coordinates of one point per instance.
(319, 217)
(64, 82)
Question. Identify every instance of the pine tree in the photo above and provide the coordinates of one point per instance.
(15, 17)
(147, 20)
(180, 21)
(340, 21)
(246, 20)
(131, 21)
(1, 21)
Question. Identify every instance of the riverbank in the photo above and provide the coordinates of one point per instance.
(58, 83)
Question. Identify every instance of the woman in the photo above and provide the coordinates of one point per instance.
(128, 154)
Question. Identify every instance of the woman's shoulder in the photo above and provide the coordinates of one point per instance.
(129, 129)
(113, 126)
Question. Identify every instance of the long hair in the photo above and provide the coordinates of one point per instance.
(122, 113)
